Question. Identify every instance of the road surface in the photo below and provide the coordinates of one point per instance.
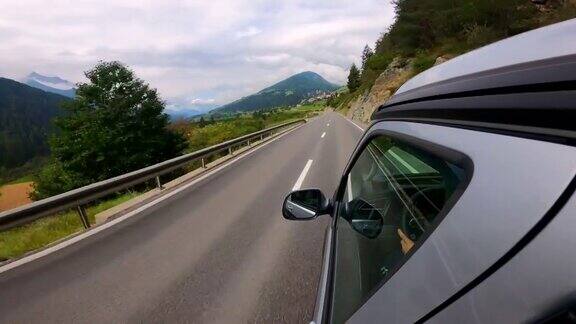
(218, 251)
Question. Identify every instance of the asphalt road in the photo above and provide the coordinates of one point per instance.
(216, 252)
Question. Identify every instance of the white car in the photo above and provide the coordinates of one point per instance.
(458, 205)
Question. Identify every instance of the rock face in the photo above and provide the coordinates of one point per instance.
(441, 59)
(398, 72)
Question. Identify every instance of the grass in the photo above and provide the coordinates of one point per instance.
(20, 240)
(25, 178)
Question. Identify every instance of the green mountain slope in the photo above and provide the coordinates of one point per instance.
(290, 91)
(25, 121)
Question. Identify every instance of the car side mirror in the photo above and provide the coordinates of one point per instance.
(305, 204)
(365, 218)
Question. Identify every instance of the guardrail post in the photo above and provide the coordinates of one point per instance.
(83, 216)
(248, 142)
(203, 164)
(230, 150)
(261, 136)
(158, 183)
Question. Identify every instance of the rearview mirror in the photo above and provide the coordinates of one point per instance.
(365, 218)
(305, 205)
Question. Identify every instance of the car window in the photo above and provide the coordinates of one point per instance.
(393, 194)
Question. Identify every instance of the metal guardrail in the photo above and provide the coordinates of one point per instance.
(81, 196)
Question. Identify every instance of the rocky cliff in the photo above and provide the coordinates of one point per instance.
(398, 72)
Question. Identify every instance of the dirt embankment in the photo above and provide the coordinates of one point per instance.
(14, 195)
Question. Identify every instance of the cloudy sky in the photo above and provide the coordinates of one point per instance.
(196, 53)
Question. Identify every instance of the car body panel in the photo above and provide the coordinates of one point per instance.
(474, 234)
(322, 291)
(537, 282)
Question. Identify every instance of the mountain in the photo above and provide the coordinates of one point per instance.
(179, 110)
(51, 84)
(288, 92)
(184, 113)
(25, 121)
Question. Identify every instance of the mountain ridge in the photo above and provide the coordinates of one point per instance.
(26, 115)
(53, 84)
(287, 92)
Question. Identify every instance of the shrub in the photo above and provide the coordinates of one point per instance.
(423, 62)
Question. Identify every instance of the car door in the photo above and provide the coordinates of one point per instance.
(422, 210)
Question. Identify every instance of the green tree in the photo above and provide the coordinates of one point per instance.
(201, 122)
(353, 78)
(114, 125)
(366, 55)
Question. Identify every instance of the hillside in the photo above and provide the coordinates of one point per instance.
(25, 122)
(287, 92)
(429, 32)
(51, 84)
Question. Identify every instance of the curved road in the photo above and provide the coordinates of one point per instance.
(218, 251)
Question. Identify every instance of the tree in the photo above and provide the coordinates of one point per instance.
(366, 54)
(114, 125)
(353, 78)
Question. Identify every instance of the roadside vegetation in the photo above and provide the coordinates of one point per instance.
(116, 125)
(203, 133)
(427, 29)
(20, 240)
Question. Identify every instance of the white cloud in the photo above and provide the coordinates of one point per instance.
(219, 49)
(199, 101)
(248, 32)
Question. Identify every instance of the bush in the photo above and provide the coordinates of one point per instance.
(422, 62)
(379, 62)
(479, 35)
(53, 179)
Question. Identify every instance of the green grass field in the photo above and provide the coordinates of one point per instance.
(29, 237)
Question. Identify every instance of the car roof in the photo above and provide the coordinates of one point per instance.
(525, 84)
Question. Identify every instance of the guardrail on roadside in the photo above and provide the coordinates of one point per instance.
(81, 196)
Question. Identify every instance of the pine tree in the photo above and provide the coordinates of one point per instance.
(353, 78)
(366, 54)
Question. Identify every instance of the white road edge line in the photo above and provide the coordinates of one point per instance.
(353, 123)
(115, 221)
(302, 176)
(323, 134)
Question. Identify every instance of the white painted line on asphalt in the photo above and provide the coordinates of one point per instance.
(115, 221)
(302, 176)
(323, 134)
(353, 123)
(328, 125)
